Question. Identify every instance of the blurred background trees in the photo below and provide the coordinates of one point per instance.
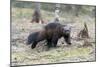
(74, 10)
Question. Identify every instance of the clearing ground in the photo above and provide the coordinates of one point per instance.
(22, 54)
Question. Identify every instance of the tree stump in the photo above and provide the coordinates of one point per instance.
(84, 32)
(87, 43)
(37, 14)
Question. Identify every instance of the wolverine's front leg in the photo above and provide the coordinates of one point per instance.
(54, 40)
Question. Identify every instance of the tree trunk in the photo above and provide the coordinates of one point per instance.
(57, 11)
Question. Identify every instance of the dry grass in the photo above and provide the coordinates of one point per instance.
(23, 54)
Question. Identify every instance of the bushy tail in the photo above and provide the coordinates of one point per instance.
(31, 38)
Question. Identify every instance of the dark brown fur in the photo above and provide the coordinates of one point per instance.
(52, 32)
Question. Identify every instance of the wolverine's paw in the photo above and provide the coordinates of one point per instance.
(69, 43)
(32, 47)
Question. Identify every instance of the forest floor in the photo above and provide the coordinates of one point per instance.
(22, 54)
